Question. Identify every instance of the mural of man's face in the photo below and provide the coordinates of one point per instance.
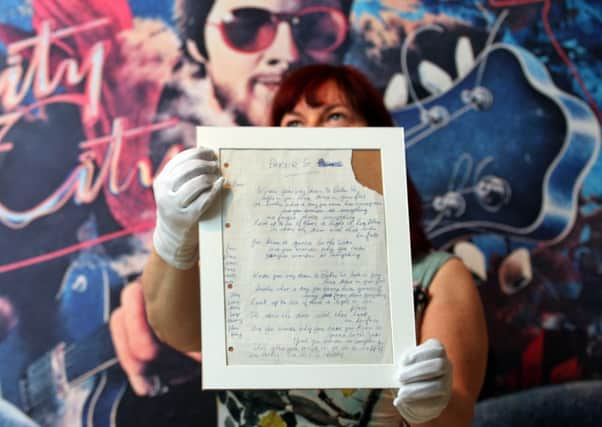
(251, 43)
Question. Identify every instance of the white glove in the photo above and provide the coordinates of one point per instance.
(426, 382)
(184, 190)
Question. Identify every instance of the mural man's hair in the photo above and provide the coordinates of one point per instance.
(190, 17)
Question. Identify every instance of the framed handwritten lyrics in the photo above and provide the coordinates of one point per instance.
(305, 261)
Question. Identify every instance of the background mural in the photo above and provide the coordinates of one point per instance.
(500, 101)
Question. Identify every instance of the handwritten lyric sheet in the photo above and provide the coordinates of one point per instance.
(305, 266)
(304, 260)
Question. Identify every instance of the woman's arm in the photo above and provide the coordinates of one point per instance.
(173, 303)
(455, 317)
(184, 190)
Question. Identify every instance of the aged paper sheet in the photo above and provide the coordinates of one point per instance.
(305, 260)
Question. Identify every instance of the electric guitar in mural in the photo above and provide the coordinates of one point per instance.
(79, 381)
(504, 150)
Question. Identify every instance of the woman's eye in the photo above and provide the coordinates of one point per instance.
(335, 117)
(293, 124)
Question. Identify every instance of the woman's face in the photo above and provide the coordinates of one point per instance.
(251, 43)
(333, 110)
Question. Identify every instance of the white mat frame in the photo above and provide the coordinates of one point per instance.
(217, 374)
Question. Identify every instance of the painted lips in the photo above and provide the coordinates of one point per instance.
(271, 81)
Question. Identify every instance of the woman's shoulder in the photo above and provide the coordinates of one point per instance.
(426, 267)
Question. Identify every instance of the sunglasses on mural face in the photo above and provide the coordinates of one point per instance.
(319, 29)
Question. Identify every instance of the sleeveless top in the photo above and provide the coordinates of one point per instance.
(337, 407)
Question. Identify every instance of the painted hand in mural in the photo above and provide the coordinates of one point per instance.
(183, 191)
(141, 355)
(426, 382)
(132, 338)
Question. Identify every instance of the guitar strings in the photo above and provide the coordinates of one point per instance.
(404, 62)
(494, 30)
(454, 116)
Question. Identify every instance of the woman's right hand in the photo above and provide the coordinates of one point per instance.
(184, 190)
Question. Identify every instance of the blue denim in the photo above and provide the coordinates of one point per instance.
(11, 416)
(576, 404)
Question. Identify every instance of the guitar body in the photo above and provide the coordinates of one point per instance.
(48, 386)
(504, 150)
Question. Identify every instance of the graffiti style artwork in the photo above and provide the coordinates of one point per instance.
(500, 101)
(79, 94)
(502, 120)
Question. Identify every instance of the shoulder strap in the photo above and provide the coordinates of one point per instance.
(426, 267)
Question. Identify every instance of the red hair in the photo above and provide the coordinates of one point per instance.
(366, 100)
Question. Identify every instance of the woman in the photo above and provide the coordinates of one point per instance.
(451, 331)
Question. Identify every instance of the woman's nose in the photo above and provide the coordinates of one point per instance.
(283, 49)
(314, 121)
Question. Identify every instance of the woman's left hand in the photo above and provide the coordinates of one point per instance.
(426, 382)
